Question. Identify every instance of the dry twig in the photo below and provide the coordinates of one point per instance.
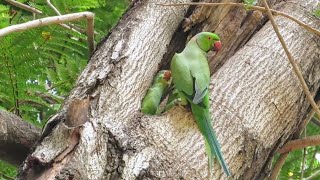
(280, 161)
(300, 144)
(313, 175)
(55, 20)
(295, 68)
(303, 157)
(277, 167)
(258, 8)
(23, 6)
(71, 26)
(315, 121)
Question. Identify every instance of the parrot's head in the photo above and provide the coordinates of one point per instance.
(208, 41)
(164, 76)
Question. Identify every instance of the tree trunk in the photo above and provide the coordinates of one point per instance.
(256, 100)
(16, 138)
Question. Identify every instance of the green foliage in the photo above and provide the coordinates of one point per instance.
(292, 167)
(7, 171)
(4, 16)
(316, 13)
(249, 3)
(39, 67)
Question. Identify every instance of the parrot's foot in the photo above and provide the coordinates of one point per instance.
(171, 104)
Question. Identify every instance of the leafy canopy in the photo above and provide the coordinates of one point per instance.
(38, 67)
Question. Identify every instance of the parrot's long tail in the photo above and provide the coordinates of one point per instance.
(213, 149)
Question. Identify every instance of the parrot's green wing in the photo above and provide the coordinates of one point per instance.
(180, 70)
(191, 76)
(191, 73)
(201, 75)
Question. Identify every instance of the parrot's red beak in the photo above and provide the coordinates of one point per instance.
(217, 46)
(167, 75)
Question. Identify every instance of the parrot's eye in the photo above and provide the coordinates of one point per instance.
(209, 38)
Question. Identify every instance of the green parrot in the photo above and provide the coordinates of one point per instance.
(175, 98)
(151, 101)
(191, 77)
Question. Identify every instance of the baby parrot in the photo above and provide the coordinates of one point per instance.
(191, 77)
(151, 101)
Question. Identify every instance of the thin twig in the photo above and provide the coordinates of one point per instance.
(90, 33)
(297, 71)
(258, 8)
(313, 175)
(300, 143)
(304, 123)
(53, 8)
(6, 176)
(71, 26)
(303, 157)
(277, 167)
(294, 65)
(315, 121)
(55, 20)
(23, 6)
(280, 161)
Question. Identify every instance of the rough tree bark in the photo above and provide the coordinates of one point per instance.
(256, 100)
(16, 138)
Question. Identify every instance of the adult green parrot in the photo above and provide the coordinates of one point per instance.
(151, 101)
(191, 77)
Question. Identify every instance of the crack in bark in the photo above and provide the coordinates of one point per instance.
(115, 161)
(73, 143)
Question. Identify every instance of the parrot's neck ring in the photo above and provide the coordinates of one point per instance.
(199, 45)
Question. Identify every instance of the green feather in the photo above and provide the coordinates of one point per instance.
(202, 117)
(191, 77)
(151, 101)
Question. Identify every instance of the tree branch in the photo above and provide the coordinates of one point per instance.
(297, 72)
(315, 121)
(55, 20)
(71, 26)
(16, 138)
(258, 8)
(313, 175)
(33, 10)
(295, 67)
(53, 8)
(303, 157)
(277, 167)
(49, 98)
(23, 6)
(281, 160)
(300, 144)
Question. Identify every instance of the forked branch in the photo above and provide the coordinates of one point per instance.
(56, 20)
(23, 6)
(71, 26)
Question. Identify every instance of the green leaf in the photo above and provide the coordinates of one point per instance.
(316, 13)
(249, 3)
(7, 169)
